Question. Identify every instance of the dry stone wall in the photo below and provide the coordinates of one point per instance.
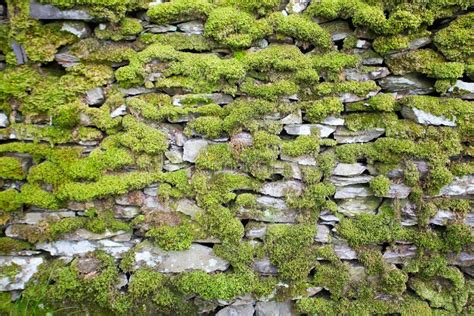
(236, 157)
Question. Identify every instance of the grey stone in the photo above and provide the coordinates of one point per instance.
(328, 218)
(192, 27)
(20, 53)
(345, 181)
(463, 90)
(398, 190)
(425, 118)
(34, 218)
(67, 60)
(297, 6)
(442, 218)
(399, 254)
(293, 118)
(461, 186)
(80, 29)
(151, 190)
(351, 97)
(4, 122)
(410, 83)
(419, 42)
(241, 139)
(68, 248)
(135, 91)
(357, 273)
(322, 234)
(192, 148)
(255, 230)
(28, 266)
(371, 74)
(408, 215)
(188, 207)
(274, 309)
(343, 251)
(352, 191)
(363, 44)
(270, 210)
(345, 136)
(95, 96)
(161, 28)
(305, 129)
(264, 267)
(174, 155)
(49, 12)
(357, 206)
(349, 169)
(282, 188)
(84, 234)
(237, 310)
(333, 121)
(463, 259)
(305, 160)
(120, 111)
(126, 211)
(197, 257)
(339, 29)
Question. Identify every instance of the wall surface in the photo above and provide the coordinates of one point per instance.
(236, 157)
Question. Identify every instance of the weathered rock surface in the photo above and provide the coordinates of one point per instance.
(282, 188)
(355, 206)
(192, 148)
(425, 118)
(274, 309)
(49, 12)
(26, 267)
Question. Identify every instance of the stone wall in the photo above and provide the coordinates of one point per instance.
(236, 157)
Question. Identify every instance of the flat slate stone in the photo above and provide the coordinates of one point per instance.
(50, 12)
(28, 266)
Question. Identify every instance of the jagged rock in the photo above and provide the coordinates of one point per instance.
(264, 267)
(345, 181)
(363, 44)
(174, 155)
(463, 259)
(87, 265)
(349, 169)
(49, 12)
(192, 27)
(398, 190)
(269, 209)
(372, 74)
(293, 118)
(338, 30)
(352, 97)
(68, 248)
(80, 29)
(282, 188)
(399, 254)
(255, 230)
(197, 257)
(333, 121)
(95, 96)
(217, 98)
(425, 118)
(151, 190)
(297, 6)
(192, 148)
(322, 234)
(442, 218)
(84, 234)
(34, 218)
(242, 139)
(161, 28)
(27, 267)
(135, 91)
(305, 160)
(463, 90)
(20, 53)
(284, 167)
(237, 310)
(305, 129)
(410, 83)
(120, 111)
(328, 218)
(122, 281)
(461, 186)
(188, 207)
(343, 251)
(357, 273)
(126, 211)
(274, 309)
(408, 215)
(356, 206)
(4, 122)
(352, 191)
(131, 198)
(345, 136)
(419, 42)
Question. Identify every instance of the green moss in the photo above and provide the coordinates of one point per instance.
(242, 114)
(258, 159)
(179, 10)
(383, 102)
(411, 175)
(172, 237)
(333, 277)
(11, 168)
(289, 249)
(438, 177)
(365, 121)
(208, 126)
(216, 157)
(9, 245)
(127, 27)
(240, 256)
(235, 28)
(455, 41)
(380, 185)
(180, 41)
(269, 91)
(10, 271)
(320, 109)
(458, 236)
(301, 28)
(384, 45)
(261, 7)
(331, 64)
(302, 145)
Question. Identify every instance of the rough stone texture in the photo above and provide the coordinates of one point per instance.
(197, 257)
(95, 96)
(305, 129)
(28, 266)
(192, 148)
(237, 310)
(49, 12)
(347, 170)
(459, 187)
(425, 118)
(274, 309)
(355, 206)
(344, 136)
(353, 191)
(282, 188)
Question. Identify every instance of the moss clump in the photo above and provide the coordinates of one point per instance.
(10, 168)
(180, 41)
(216, 157)
(289, 248)
(383, 102)
(366, 121)
(179, 10)
(260, 7)
(332, 64)
(235, 28)
(172, 237)
(269, 91)
(208, 126)
(302, 145)
(301, 28)
(127, 27)
(380, 185)
(10, 271)
(258, 159)
(334, 89)
(455, 41)
(9, 245)
(320, 109)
